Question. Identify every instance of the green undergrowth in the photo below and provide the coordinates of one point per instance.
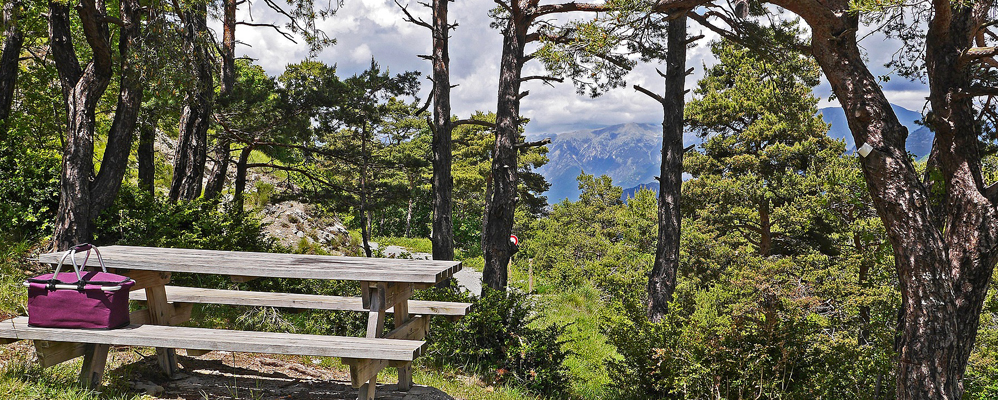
(20, 378)
(579, 309)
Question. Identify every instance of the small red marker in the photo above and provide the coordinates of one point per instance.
(514, 239)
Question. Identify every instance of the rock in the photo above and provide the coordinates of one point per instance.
(150, 388)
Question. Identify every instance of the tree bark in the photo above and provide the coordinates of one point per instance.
(662, 280)
(9, 63)
(119, 141)
(944, 274)
(240, 190)
(442, 236)
(216, 179)
(502, 204)
(189, 163)
(146, 154)
(228, 79)
(82, 89)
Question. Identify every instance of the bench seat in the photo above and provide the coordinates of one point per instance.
(223, 340)
(180, 294)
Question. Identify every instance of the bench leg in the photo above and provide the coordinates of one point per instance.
(376, 316)
(160, 313)
(404, 371)
(94, 361)
(367, 390)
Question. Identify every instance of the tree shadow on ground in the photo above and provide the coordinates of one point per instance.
(260, 377)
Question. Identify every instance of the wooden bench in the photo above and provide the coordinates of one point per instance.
(386, 284)
(365, 356)
(182, 295)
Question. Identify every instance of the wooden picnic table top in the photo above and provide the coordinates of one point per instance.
(274, 265)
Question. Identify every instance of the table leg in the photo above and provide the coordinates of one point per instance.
(405, 372)
(367, 391)
(160, 313)
(375, 328)
(94, 360)
(376, 313)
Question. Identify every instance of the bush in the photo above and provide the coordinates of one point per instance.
(137, 218)
(497, 342)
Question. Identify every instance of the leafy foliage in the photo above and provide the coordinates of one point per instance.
(497, 341)
(138, 219)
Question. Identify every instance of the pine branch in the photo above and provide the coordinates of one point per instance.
(649, 93)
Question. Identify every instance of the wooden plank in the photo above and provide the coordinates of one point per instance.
(160, 313)
(225, 340)
(179, 294)
(366, 391)
(94, 361)
(272, 264)
(402, 320)
(376, 317)
(181, 314)
(398, 292)
(364, 370)
(197, 353)
(413, 329)
(144, 279)
(50, 353)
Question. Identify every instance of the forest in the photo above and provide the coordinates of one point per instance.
(773, 262)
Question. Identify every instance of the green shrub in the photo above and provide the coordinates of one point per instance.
(497, 342)
(136, 218)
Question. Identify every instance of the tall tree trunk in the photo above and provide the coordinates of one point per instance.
(119, 141)
(82, 89)
(188, 166)
(970, 222)
(662, 281)
(146, 154)
(502, 204)
(944, 273)
(240, 190)
(9, 59)
(410, 206)
(228, 79)
(216, 179)
(365, 218)
(443, 184)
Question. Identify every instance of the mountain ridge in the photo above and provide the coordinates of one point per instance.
(630, 153)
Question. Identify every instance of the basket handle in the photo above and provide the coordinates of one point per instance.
(71, 253)
(80, 282)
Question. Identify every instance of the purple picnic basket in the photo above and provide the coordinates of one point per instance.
(80, 299)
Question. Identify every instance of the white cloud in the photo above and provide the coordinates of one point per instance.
(375, 28)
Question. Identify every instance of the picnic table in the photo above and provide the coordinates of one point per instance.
(386, 286)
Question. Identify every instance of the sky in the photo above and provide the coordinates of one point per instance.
(375, 28)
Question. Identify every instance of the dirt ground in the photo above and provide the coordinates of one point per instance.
(224, 375)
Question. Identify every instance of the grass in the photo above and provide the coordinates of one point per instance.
(465, 387)
(580, 309)
(413, 245)
(22, 379)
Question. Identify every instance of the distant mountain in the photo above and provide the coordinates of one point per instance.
(919, 137)
(632, 191)
(631, 153)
